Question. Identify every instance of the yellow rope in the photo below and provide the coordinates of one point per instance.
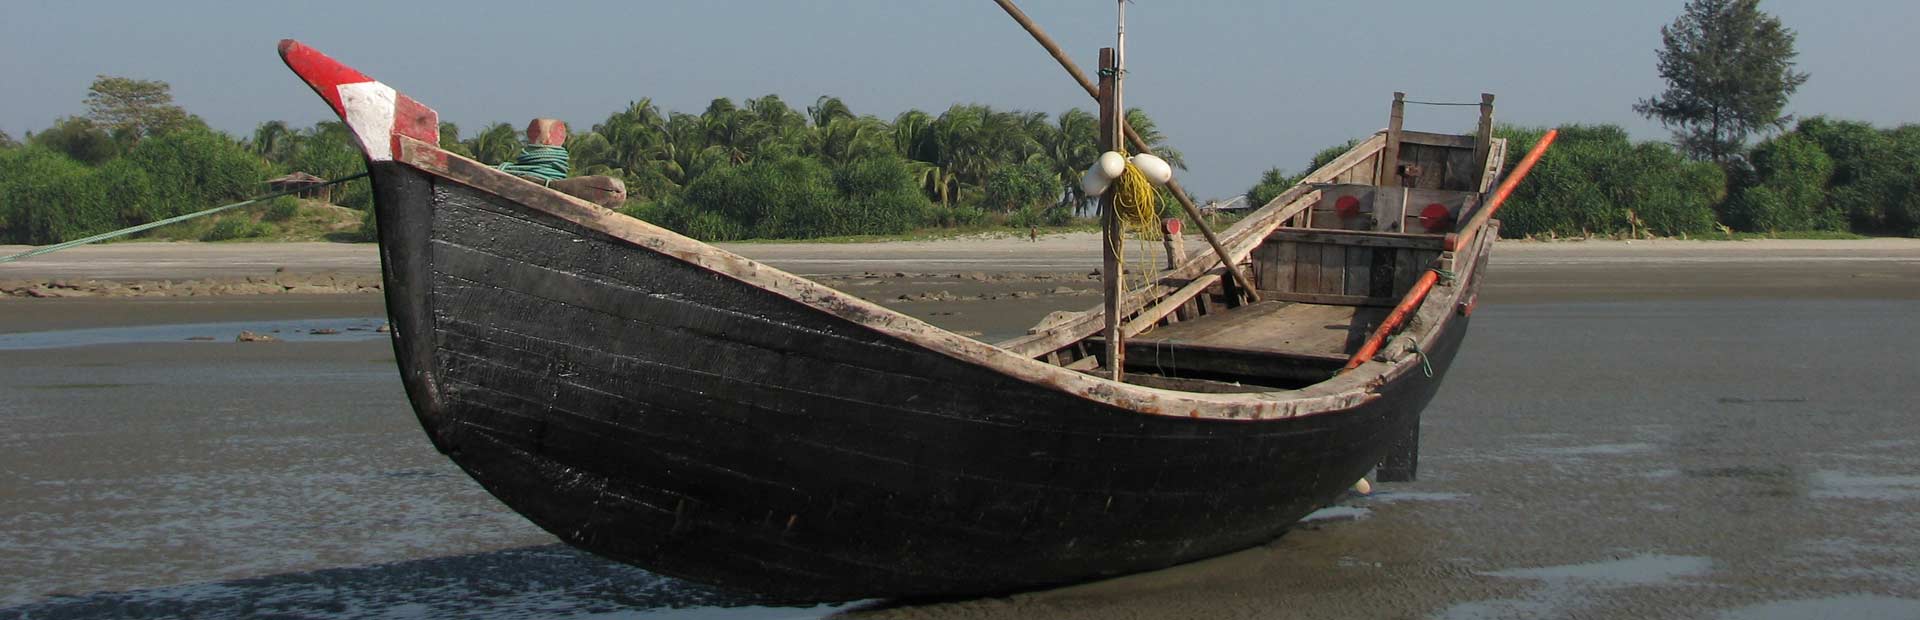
(1137, 204)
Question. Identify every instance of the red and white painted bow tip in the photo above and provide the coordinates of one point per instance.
(375, 112)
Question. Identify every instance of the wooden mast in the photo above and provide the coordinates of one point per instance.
(1112, 281)
(1246, 286)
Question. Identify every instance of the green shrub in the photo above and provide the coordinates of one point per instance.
(1057, 215)
(329, 153)
(195, 169)
(1870, 178)
(770, 199)
(1272, 183)
(1786, 188)
(1026, 217)
(957, 216)
(227, 228)
(645, 210)
(47, 197)
(794, 197)
(880, 196)
(1023, 186)
(129, 191)
(80, 139)
(1594, 180)
(369, 227)
(1276, 181)
(281, 209)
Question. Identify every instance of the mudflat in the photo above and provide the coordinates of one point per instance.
(1654, 429)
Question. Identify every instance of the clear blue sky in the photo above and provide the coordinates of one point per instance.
(1240, 85)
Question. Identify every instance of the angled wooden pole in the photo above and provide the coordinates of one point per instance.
(1245, 284)
(1112, 275)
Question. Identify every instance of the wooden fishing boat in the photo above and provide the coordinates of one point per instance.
(663, 402)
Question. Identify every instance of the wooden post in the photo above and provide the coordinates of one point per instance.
(1390, 154)
(1132, 137)
(1112, 282)
(1483, 139)
(1175, 244)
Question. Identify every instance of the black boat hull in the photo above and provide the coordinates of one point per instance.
(647, 409)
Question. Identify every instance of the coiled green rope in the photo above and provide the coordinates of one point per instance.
(547, 163)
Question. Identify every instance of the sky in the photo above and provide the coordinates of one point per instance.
(1238, 85)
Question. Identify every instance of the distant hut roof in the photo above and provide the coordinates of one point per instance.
(297, 178)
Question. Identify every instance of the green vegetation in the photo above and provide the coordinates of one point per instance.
(1729, 72)
(1597, 181)
(1275, 181)
(760, 169)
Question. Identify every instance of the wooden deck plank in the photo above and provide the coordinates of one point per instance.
(1272, 327)
(1359, 269)
(1333, 269)
(1306, 267)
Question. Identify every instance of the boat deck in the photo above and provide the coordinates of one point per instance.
(1274, 344)
(1275, 327)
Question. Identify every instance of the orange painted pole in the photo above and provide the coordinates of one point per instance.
(1458, 240)
(1454, 241)
(1399, 315)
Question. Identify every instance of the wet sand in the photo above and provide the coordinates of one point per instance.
(1627, 433)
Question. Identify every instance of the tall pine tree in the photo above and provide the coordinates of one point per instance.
(1729, 72)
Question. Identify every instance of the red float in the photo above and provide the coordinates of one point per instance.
(1436, 217)
(1347, 207)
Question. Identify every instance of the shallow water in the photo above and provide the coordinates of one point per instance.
(1745, 460)
(296, 330)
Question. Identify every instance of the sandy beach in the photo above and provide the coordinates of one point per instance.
(1634, 429)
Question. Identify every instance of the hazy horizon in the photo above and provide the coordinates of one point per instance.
(1237, 85)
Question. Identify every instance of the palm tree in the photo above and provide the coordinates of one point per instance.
(450, 139)
(826, 109)
(729, 129)
(633, 137)
(1155, 140)
(591, 154)
(1068, 148)
(912, 135)
(274, 141)
(496, 143)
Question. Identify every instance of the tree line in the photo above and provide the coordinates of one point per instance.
(757, 169)
(1730, 72)
(762, 169)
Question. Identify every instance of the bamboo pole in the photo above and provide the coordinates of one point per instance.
(1112, 274)
(1244, 283)
(1452, 243)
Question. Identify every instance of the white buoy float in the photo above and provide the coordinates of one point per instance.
(1105, 169)
(1157, 170)
(1112, 164)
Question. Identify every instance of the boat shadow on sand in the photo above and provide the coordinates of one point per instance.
(543, 581)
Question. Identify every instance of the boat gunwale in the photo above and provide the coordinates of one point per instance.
(1341, 393)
